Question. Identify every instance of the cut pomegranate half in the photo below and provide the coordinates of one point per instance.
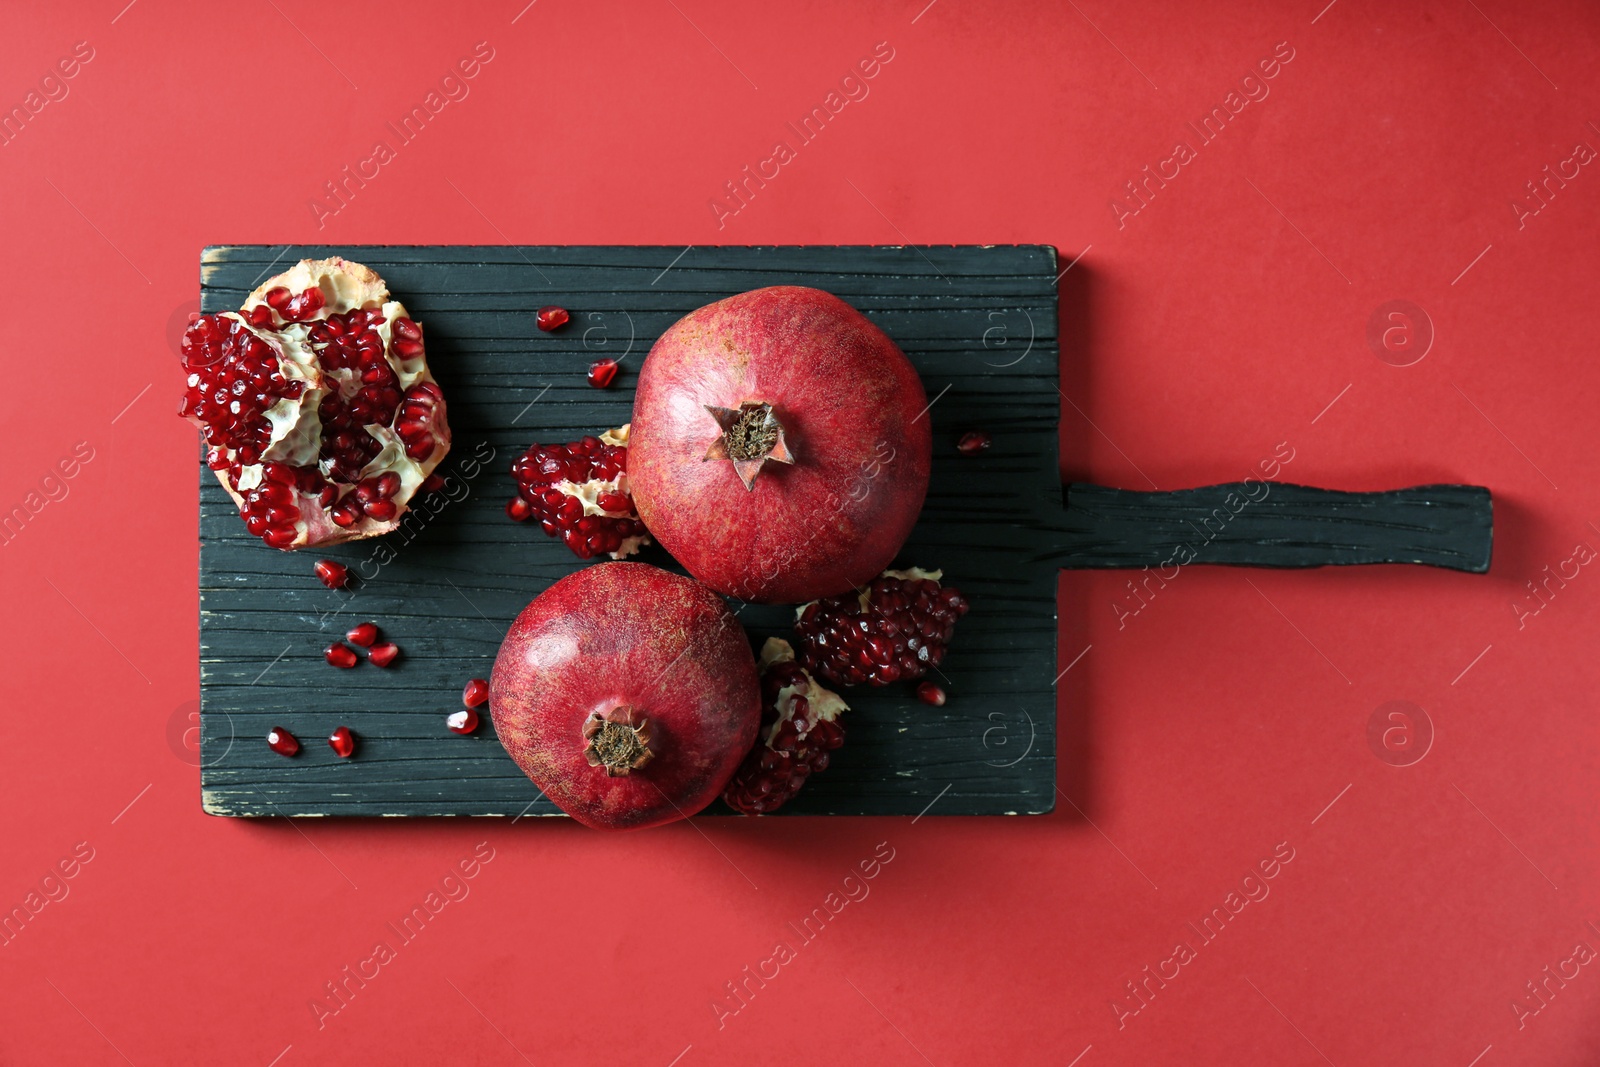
(799, 728)
(895, 630)
(579, 493)
(320, 416)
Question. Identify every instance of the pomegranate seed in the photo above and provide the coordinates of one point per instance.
(603, 373)
(363, 635)
(551, 317)
(334, 575)
(343, 742)
(594, 464)
(341, 655)
(282, 741)
(462, 722)
(973, 442)
(475, 693)
(382, 510)
(383, 654)
(431, 484)
(929, 693)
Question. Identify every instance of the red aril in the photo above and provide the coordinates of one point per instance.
(973, 442)
(475, 693)
(333, 575)
(384, 654)
(282, 741)
(464, 721)
(930, 693)
(579, 493)
(340, 655)
(603, 373)
(550, 317)
(320, 415)
(343, 742)
(799, 729)
(780, 446)
(628, 694)
(364, 634)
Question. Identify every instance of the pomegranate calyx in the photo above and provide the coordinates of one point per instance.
(619, 741)
(751, 435)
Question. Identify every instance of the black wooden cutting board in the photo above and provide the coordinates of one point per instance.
(978, 322)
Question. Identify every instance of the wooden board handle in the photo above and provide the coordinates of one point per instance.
(1275, 524)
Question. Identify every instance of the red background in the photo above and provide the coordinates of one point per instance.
(1222, 720)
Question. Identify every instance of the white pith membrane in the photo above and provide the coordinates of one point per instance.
(827, 704)
(296, 425)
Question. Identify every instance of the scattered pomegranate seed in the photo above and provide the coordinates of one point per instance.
(476, 692)
(902, 629)
(343, 742)
(548, 477)
(973, 442)
(929, 693)
(551, 317)
(603, 373)
(333, 575)
(383, 654)
(462, 722)
(363, 635)
(341, 655)
(431, 484)
(282, 741)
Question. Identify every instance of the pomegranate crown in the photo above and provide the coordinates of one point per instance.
(619, 741)
(751, 435)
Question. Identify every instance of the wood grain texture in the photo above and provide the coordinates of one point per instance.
(978, 322)
(1275, 524)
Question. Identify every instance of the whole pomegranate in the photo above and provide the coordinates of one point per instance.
(321, 418)
(628, 694)
(780, 445)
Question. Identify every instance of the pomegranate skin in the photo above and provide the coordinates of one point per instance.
(852, 410)
(627, 635)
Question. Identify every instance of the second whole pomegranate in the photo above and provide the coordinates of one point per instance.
(628, 694)
(780, 446)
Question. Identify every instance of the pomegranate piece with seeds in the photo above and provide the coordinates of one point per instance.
(895, 630)
(320, 416)
(579, 493)
(799, 728)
